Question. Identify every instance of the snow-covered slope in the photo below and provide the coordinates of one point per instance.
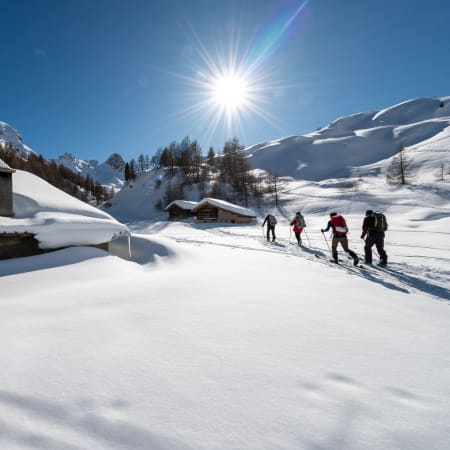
(358, 140)
(357, 148)
(143, 198)
(109, 173)
(212, 339)
(56, 218)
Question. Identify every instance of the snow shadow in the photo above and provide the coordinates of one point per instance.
(419, 284)
(57, 258)
(143, 249)
(370, 275)
(72, 419)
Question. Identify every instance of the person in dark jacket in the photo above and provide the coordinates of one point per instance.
(338, 225)
(271, 222)
(373, 228)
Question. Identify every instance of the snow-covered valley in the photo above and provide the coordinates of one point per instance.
(212, 338)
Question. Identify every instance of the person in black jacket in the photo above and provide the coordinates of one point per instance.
(271, 222)
(374, 226)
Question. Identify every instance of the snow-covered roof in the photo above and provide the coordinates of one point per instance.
(183, 204)
(4, 167)
(225, 205)
(56, 218)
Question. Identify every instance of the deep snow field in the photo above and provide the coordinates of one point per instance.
(212, 338)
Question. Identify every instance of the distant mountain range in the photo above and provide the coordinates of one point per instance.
(355, 144)
(109, 173)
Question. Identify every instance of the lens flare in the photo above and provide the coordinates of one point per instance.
(234, 85)
(230, 91)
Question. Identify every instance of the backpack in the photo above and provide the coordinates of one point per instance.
(379, 222)
(340, 226)
(272, 220)
(300, 221)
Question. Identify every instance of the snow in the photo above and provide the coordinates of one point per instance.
(357, 140)
(10, 135)
(4, 167)
(56, 218)
(220, 340)
(183, 204)
(104, 173)
(209, 337)
(226, 206)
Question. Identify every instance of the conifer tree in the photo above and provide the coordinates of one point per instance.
(401, 169)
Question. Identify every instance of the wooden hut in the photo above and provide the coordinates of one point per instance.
(211, 210)
(6, 193)
(180, 209)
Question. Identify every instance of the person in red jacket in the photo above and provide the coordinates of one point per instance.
(299, 223)
(339, 226)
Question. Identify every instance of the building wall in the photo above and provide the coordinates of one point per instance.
(19, 245)
(177, 213)
(210, 214)
(231, 217)
(15, 245)
(6, 197)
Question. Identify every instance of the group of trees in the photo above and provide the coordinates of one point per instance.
(73, 183)
(226, 175)
(403, 170)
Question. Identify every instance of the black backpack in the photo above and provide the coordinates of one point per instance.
(271, 220)
(379, 222)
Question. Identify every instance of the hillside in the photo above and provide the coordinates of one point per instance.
(365, 139)
(346, 161)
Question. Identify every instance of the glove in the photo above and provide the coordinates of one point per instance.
(321, 230)
(362, 236)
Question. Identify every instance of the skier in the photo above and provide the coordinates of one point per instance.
(271, 222)
(338, 225)
(299, 223)
(374, 226)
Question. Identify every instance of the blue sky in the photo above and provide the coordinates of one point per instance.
(93, 77)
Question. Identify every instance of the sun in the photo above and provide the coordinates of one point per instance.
(230, 91)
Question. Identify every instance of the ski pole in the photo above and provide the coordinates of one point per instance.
(307, 237)
(290, 232)
(328, 245)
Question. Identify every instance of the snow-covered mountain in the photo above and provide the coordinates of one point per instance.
(359, 140)
(352, 153)
(9, 135)
(109, 173)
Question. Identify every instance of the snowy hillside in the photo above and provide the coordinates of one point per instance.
(346, 159)
(139, 199)
(210, 338)
(359, 140)
(109, 173)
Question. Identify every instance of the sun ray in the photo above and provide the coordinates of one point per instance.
(233, 87)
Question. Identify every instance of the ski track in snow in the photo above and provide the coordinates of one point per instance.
(400, 277)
